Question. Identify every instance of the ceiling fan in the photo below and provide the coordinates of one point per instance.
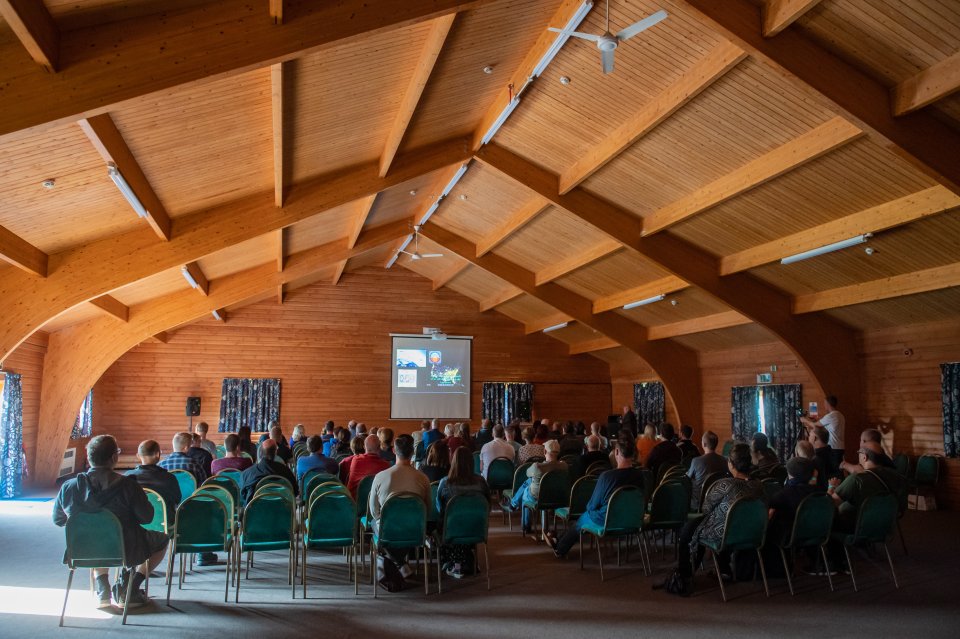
(607, 43)
(417, 255)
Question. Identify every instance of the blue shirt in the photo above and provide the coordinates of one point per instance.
(182, 461)
(316, 462)
(609, 482)
(430, 437)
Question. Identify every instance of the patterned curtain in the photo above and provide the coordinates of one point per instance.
(781, 403)
(504, 401)
(744, 411)
(649, 403)
(83, 427)
(12, 457)
(248, 402)
(950, 389)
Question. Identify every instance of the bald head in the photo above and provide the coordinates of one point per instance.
(268, 449)
(593, 443)
(371, 444)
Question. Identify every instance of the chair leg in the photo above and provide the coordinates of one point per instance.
(892, 571)
(600, 556)
(903, 542)
(373, 567)
(826, 566)
(786, 570)
(67, 594)
(853, 577)
(170, 560)
(236, 591)
(763, 573)
(581, 550)
(716, 566)
(226, 576)
(439, 576)
(426, 573)
(356, 570)
(126, 600)
(486, 559)
(303, 570)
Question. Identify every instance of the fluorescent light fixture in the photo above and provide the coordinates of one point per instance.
(561, 39)
(453, 181)
(500, 120)
(125, 190)
(397, 254)
(187, 276)
(430, 211)
(556, 327)
(649, 300)
(216, 315)
(829, 248)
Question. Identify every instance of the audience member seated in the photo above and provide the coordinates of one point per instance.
(496, 447)
(513, 432)
(202, 429)
(764, 458)
(231, 457)
(266, 466)
(200, 454)
(535, 473)
(783, 506)
(149, 475)
(341, 443)
(316, 460)
(688, 449)
(871, 438)
(417, 434)
(299, 436)
(874, 479)
(283, 448)
(326, 436)
(595, 431)
(665, 453)
(541, 434)
(266, 435)
(484, 436)
(824, 460)
(645, 443)
(594, 454)
(432, 435)
(368, 463)
(804, 449)
(437, 465)
(400, 478)
(570, 444)
(385, 435)
(705, 465)
(711, 525)
(530, 448)
(101, 488)
(180, 460)
(245, 443)
(356, 448)
(458, 560)
(459, 438)
(625, 474)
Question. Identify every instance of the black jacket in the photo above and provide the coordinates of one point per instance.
(263, 468)
(163, 482)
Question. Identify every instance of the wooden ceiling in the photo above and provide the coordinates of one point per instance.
(302, 147)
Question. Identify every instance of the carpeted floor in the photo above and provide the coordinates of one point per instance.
(533, 595)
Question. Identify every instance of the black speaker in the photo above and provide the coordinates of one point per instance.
(523, 410)
(193, 407)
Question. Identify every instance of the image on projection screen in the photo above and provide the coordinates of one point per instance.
(430, 378)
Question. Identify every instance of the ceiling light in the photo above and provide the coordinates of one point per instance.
(397, 254)
(500, 120)
(869, 250)
(556, 327)
(829, 248)
(561, 39)
(644, 302)
(413, 191)
(488, 69)
(187, 276)
(48, 184)
(564, 80)
(463, 196)
(125, 189)
(216, 315)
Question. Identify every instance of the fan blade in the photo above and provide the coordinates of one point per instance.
(643, 25)
(577, 34)
(606, 58)
(431, 255)
(407, 253)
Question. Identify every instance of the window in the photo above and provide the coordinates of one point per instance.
(83, 427)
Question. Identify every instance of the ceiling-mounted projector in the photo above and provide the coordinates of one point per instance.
(435, 333)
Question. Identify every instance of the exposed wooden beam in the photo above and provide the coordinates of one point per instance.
(725, 319)
(338, 272)
(592, 345)
(835, 368)
(114, 62)
(780, 14)
(928, 86)
(281, 249)
(922, 139)
(676, 365)
(931, 279)
(578, 260)
(110, 144)
(537, 325)
(78, 355)
(219, 315)
(364, 206)
(22, 254)
(449, 274)
(161, 338)
(909, 208)
(516, 221)
(203, 285)
(705, 72)
(393, 251)
(421, 74)
(112, 306)
(662, 286)
(281, 294)
(34, 27)
(560, 18)
(811, 145)
(509, 293)
(276, 11)
(276, 109)
(101, 266)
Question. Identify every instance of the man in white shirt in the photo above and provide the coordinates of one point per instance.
(834, 423)
(497, 447)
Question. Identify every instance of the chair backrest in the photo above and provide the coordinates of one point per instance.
(902, 464)
(331, 517)
(221, 452)
(746, 525)
(580, 495)
(94, 540)
(275, 479)
(669, 504)
(876, 518)
(268, 518)
(771, 487)
(222, 494)
(363, 495)
(328, 487)
(466, 520)
(625, 511)
(727, 447)
(188, 483)
(433, 515)
(247, 455)
(927, 470)
(313, 478)
(500, 474)
(708, 481)
(554, 489)
(476, 463)
(597, 467)
(665, 470)
(159, 521)
(520, 476)
(227, 483)
(778, 473)
(233, 475)
(275, 489)
(812, 522)
(201, 519)
(403, 521)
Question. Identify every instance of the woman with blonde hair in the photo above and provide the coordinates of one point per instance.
(646, 442)
(299, 435)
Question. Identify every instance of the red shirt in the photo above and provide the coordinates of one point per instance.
(240, 463)
(362, 466)
(453, 443)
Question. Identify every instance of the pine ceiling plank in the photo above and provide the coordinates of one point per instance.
(578, 260)
(500, 298)
(514, 222)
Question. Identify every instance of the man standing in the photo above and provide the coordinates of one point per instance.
(369, 463)
(102, 489)
(497, 447)
(628, 420)
(232, 457)
(266, 466)
(149, 475)
(202, 429)
(180, 460)
(834, 422)
(706, 464)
